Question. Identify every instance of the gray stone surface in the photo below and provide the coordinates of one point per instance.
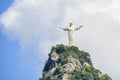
(51, 72)
(72, 64)
(54, 56)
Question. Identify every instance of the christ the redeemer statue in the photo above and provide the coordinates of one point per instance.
(71, 30)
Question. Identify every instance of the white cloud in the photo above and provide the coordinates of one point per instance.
(35, 23)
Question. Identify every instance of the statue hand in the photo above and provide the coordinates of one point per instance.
(81, 26)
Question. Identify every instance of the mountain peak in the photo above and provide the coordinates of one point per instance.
(70, 63)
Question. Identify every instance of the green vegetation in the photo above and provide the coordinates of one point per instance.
(65, 51)
(59, 69)
(104, 77)
(86, 73)
(89, 73)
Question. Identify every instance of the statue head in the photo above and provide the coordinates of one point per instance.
(70, 24)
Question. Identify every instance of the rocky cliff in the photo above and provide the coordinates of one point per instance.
(69, 63)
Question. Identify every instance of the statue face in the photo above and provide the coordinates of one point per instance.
(70, 24)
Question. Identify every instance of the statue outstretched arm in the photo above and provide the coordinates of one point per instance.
(65, 29)
(77, 28)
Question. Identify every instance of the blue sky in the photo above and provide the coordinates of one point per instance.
(29, 28)
(12, 64)
(4, 4)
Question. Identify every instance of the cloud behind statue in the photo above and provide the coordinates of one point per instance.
(35, 24)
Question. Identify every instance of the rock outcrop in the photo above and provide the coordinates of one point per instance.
(72, 64)
(69, 63)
